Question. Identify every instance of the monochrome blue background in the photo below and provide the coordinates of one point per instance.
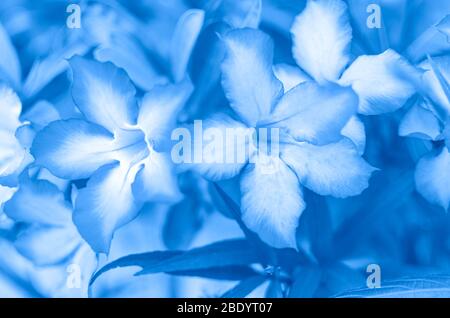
(92, 204)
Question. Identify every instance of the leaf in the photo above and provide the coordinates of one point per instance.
(245, 287)
(220, 273)
(426, 287)
(220, 254)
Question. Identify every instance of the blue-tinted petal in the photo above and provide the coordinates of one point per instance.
(125, 52)
(248, 79)
(45, 70)
(383, 82)
(9, 61)
(47, 245)
(433, 178)
(290, 75)
(73, 149)
(38, 202)
(12, 153)
(215, 156)
(106, 204)
(322, 36)
(159, 110)
(238, 14)
(420, 122)
(184, 38)
(435, 83)
(157, 181)
(41, 114)
(315, 113)
(335, 169)
(355, 131)
(272, 201)
(103, 93)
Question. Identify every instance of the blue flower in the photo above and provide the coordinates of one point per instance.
(322, 37)
(48, 236)
(313, 153)
(428, 120)
(119, 145)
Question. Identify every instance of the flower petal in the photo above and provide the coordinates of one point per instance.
(315, 113)
(433, 178)
(125, 52)
(335, 169)
(322, 36)
(157, 181)
(47, 245)
(435, 83)
(272, 201)
(215, 155)
(248, 79)
(106, 204)
(159, 109)
(103, 93)
(383, 82)
(73, 149)
(38, 202)
(420, 122)
(290, 75)
(183, 40)
(12, 152)
(355, 131)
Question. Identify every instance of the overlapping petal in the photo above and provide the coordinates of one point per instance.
(383, 82)
(73, 149)
(315, 113)
(272, 201)
(433, 178)
(420, 122)
(335, 169)
(156, 180)
(105, 204)
(159, 110)
(221, 147)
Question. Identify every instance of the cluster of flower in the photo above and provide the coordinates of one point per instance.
(315, 114)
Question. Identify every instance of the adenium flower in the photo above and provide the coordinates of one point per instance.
(322, 37)
(313, 152)
(119, 145)
(48, 237)
(428, 119)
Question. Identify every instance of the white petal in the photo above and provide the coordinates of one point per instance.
(290, 75)
(12, 153)
(355, 131)
(156, 181)
(433, 178)
(106, 204)
(271, 201)
(383, 82)
(420, 122)
(322, 36)
(216, 155)
(315, 113)
(335, 169)
(248, 79)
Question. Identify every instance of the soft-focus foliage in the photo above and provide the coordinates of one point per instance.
(115, 148)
